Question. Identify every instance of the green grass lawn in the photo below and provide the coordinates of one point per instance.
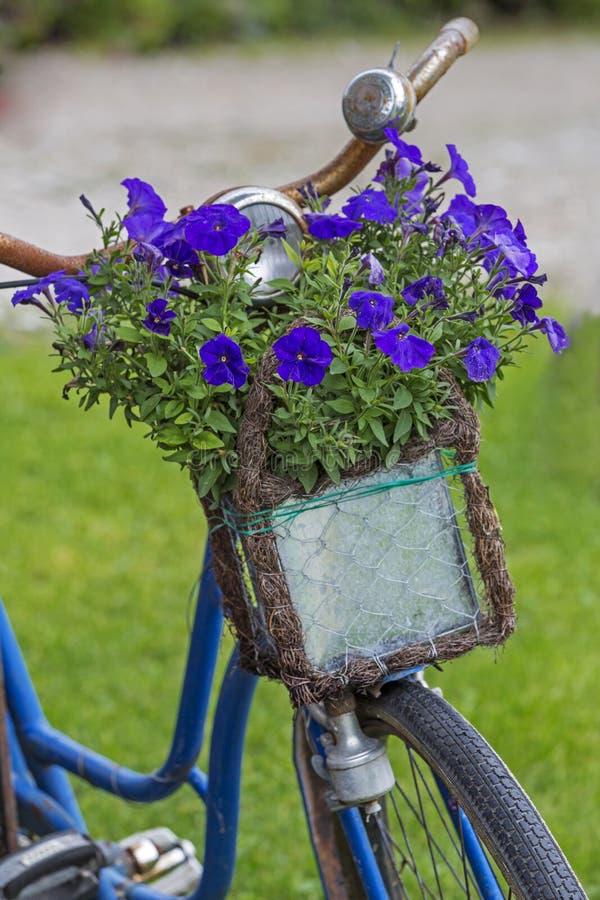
(102, 544)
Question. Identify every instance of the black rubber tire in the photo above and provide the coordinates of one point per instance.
(506, 822)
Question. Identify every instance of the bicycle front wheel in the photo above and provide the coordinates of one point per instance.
(457, 823)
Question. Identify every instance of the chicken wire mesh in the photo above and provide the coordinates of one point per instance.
(381, 565)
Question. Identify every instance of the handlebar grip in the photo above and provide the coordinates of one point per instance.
(455, 38)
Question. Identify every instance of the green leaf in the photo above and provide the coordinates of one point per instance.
(341, 405)
(196, 392)
(291, 253)
(206, 480)
(171, 435)
(377, 429)
(173, 408)
(403, 426)
(185, 418)
(282, 284)
(212, 324)
(392, 457)
(332, 469)
(338, 366)
(128, 333)
(308, 477)
(206, 440)
(367, 395)
(437, 332)
(334, 382)
(346, 323)
(219, 422)
(156, 364)
(149, 404)
(179, 456)
(402, 398)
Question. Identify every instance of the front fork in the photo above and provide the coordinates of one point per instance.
(343, 773)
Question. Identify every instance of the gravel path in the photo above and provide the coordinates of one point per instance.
(524, 115)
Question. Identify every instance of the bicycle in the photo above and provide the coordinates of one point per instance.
(341, 765)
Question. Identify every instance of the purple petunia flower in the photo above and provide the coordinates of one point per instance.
(476, 220)
(460, 170)
(215, 229)
(487, 222)
(518, 256)
(180, 256)
(224, 362)
(304, 356)
(144, 222)
(91, 338)
(556, 334)
(428, 286)
(276, 229)
(143, 199)
(372, 205)
(374, 310)
(481, 359)
(404, 151)
(73, 293)
(96, 333)
(376, 274)
(146, 228)
(159, 318)
(525, 303)
(328, 228)
(407, 351)
(28, 294)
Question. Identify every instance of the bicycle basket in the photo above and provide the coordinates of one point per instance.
(388, 570)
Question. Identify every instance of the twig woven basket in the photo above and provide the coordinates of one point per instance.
(352, 582)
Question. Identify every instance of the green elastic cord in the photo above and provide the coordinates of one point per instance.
(257, 522)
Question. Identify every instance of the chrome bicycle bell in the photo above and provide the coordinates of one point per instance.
(378, 99)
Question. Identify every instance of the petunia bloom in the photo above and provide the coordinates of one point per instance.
(276, 229)
(215, 229)
(481, 359)
(159, 318)
(73, 293)
(376, 274)
(224, 362)
(405, 151)
(374, 310)
(142, 198)
(460, 170)
(525, 303)
(327, 228)
(95, 335)
(428, 286)
(28, 294)
(477, 220)
(372, 205)
(407, 351)
(303, 355)
(556, 334)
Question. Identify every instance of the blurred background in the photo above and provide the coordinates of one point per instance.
(101, 542)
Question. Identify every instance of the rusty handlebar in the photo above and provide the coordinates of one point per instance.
(454, 39)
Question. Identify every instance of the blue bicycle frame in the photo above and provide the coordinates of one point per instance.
(41, 757)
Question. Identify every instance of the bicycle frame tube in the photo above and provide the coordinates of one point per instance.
(45, 748)
(37, 749)
(222, 800)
